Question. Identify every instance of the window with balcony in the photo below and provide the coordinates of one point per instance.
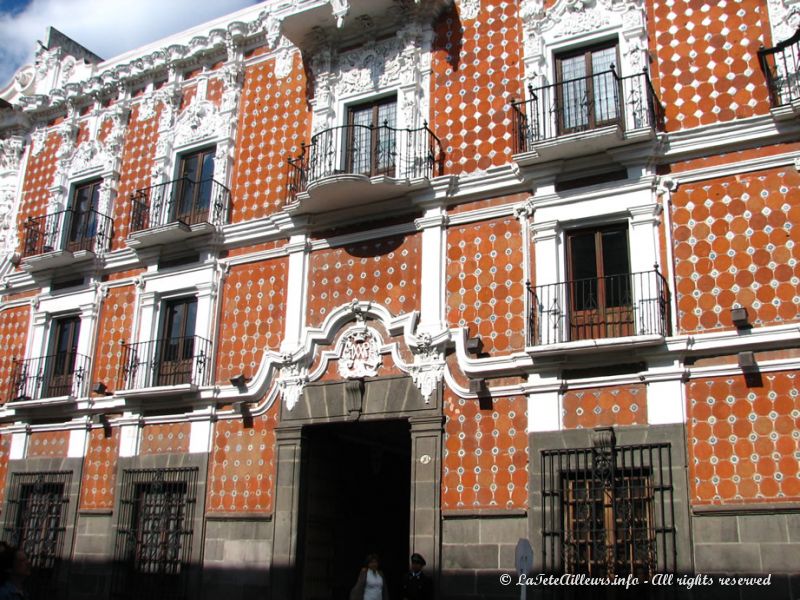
(368, 158)
(61, 372)
(79, 227)
(600, 297)
(608, 511)
(590, 103)
(177, 357)
(193, 198)
(781, 65)
(154, 532)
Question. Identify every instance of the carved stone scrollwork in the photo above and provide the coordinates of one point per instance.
(359, 354)
(469, 9)
(293, 378)
(428, 368)
(784, 16)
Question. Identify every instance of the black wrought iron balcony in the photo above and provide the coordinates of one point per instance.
(626, 305)
(182, 201)
(781, 66)
(585, 104)
(361, 152)
(165, 362)
(67, 230)
(62, 374)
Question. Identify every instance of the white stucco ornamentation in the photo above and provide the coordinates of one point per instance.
(198, 122)
(469, 9)
(359, 353)
(401, 63)
(293, 379)
(784, 16)
(547, 29)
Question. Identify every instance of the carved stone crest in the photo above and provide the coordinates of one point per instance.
(360, 353)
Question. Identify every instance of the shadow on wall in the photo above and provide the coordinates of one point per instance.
(96, 581)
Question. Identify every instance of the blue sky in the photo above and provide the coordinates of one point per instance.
(106, 27)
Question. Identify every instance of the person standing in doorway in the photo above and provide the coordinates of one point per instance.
(417, 585)
(371, 584)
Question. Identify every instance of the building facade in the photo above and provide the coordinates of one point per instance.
(324, 278)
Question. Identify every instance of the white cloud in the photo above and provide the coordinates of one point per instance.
(106, 27)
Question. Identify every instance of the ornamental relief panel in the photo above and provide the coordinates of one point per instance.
(544, 29)
(784, 16)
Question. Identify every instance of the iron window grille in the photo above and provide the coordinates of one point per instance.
(608, 512)
(36, 518)
(154, 532)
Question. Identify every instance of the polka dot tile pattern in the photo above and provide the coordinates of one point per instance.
(165, 438)
(47, 444)
(737, 241)
(477, 70)
(707, 60)
(273, 121)
(744, 443)
(116, 322)
(485, 283)
(601, 407)
(137, 162)
(253, 312)
(5, 448)
(13, 339)
(214, 91)
(486, 454)
(100, 470)
(241, 474)
(385, 271)
(39, 176)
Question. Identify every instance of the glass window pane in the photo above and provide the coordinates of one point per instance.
(573, 91)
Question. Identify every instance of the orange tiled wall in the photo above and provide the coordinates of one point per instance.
(100, 470)
(166, 438)
(485, 283)
(385, 271)
(39, 175)
(253, 311)
(47, 444)
(706, 60)
(13, 337)
(476, 72)
(736, 242)
(116, 322)
(600, 407)
(486, 454)
(241, 470)
(273, 121)
(743, 441)
(141, 137)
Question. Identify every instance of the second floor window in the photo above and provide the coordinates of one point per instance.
(63, 356)
(177, 351)
(193, 188)
(587, 90)
(372, 140)
(600, 284)
(82, 229)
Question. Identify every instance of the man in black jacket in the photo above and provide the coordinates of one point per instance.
(417, 585)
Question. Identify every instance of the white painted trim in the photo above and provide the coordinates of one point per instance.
(665, 402)
(544, 411)
(78, 442)
(129, 439)
(19, 445)
(200, 437)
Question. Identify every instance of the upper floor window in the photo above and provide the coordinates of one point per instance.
(193, 188)
(176, 352)
(83, 227)
(372, 137)
(587, 90)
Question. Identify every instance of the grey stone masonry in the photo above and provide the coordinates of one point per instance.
(237, 555)
(748, 539)
(477, 546)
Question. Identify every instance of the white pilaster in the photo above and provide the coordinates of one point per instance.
(78, 439)
(129, 436)
(296, 292)
(665, 402)
(643, 237)
(544, 411)
(200, 437)
(19, 445)
(547, 245)
(432, 294)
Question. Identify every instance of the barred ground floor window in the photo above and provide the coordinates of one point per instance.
(154, 532)
(608, 510)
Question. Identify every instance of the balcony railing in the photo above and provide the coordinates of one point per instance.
(165, 362)
(62, 374)
(781, 65)
(69, 230)
(584, 104)
(366, 150)
(631, 304)
(180, 201)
